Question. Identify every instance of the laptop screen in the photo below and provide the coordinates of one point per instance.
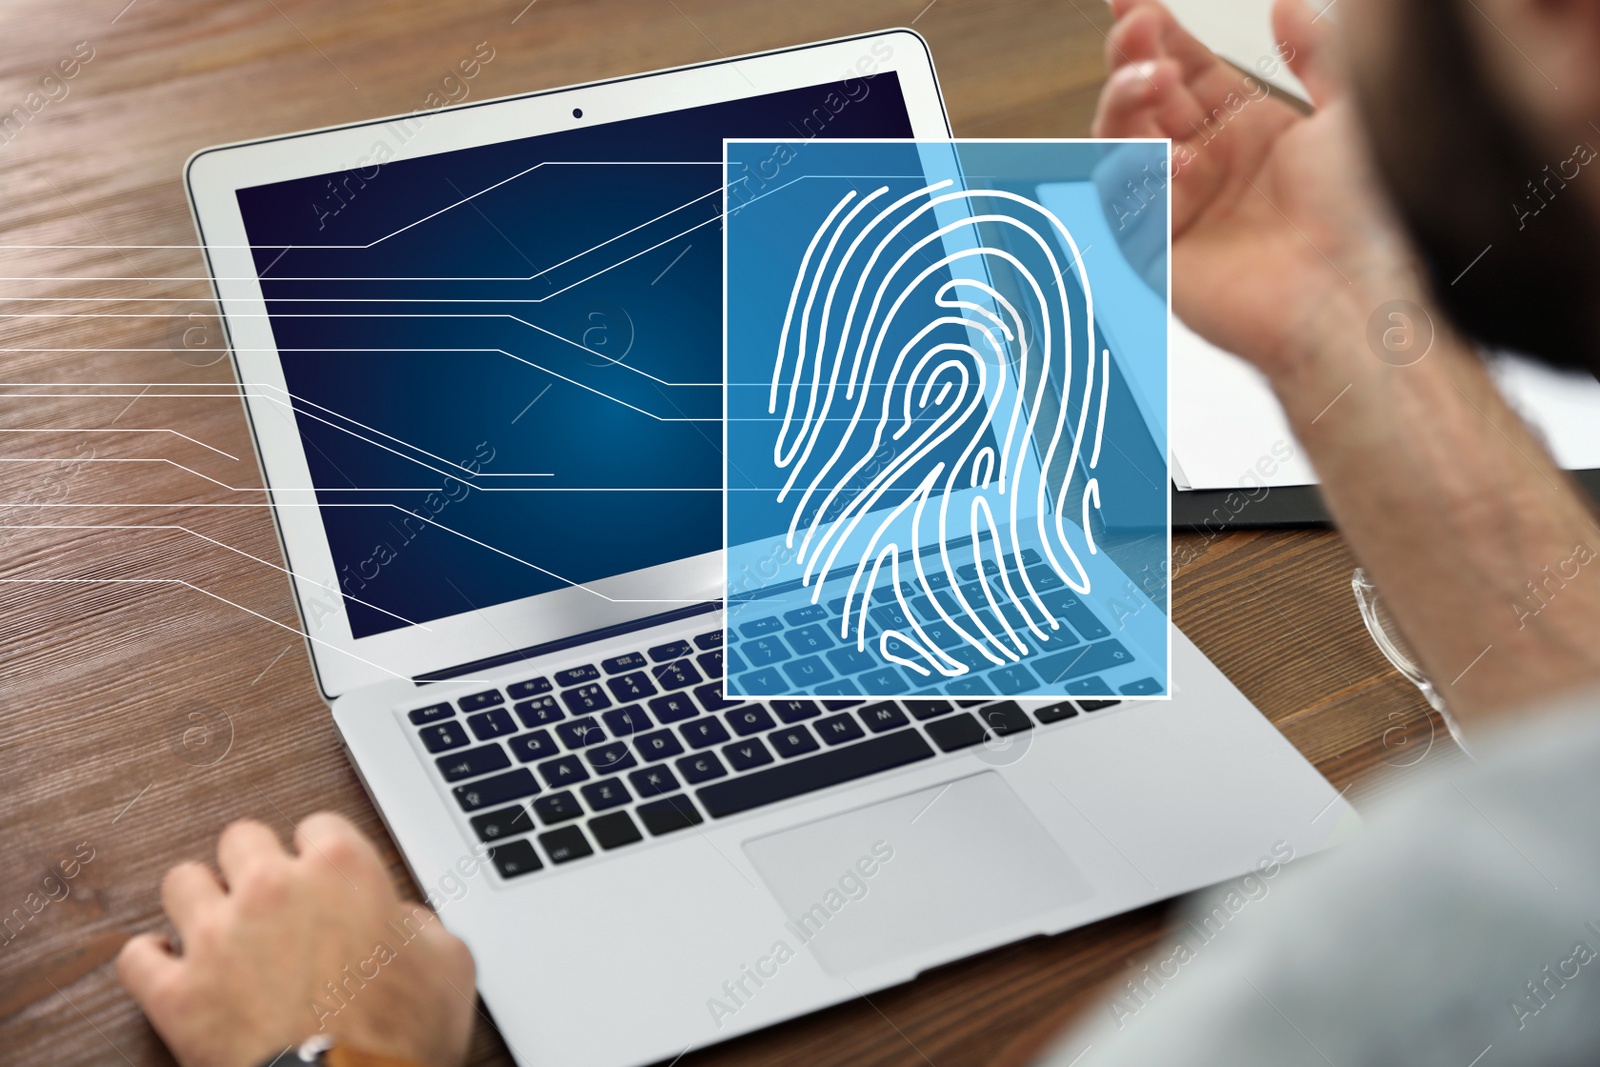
(505, 362)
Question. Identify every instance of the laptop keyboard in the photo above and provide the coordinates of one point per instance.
(801, 651)
(593, 758)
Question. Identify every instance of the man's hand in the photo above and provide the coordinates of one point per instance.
(1273, 213)
(284, 946)
(1285, 253)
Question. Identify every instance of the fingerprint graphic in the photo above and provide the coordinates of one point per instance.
(907, 391)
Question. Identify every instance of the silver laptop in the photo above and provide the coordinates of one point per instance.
(478, 348)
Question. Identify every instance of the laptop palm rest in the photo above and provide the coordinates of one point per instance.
(903, 877)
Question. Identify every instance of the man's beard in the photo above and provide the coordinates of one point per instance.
(1506, 236)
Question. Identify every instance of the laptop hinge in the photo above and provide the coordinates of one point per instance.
(592, 636)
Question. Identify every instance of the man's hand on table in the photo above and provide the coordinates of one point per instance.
(260, 948)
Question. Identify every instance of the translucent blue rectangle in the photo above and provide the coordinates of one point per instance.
(946, 456)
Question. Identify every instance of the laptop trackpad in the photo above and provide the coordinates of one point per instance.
(909, 875)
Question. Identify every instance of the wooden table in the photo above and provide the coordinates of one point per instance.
(152, 686)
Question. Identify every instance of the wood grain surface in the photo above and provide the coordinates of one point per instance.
(152, 685)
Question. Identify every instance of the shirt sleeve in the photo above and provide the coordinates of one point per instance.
(1462, 929)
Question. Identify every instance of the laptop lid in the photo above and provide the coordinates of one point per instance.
(480, 348)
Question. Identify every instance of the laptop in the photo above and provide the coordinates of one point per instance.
(505, 546)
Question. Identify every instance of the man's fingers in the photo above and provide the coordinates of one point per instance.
(333, 839)
(187, 890)
(243, 845)
(1147, 99)
(1309, 47)
(145, 966)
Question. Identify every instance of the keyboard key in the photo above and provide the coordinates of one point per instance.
(710, 663)
(557, 808)
(580, 732)
(847, 661)
(664, 816)
(749, 720)
(840, 705)
(884, 681)
(629, 662)
(743, 755)
(608, 759)
(795, 710)
(479, 701)
(732, 662)
(565, 845)
(529, 747)
(766, 680)
(837, 729)
(962, 731)
(757, 627)
(1076, 662)
(657, 746)
(703, 732)
(507, 822)
(1096, 705)
(532, 687)
(711, 639)
(809, 639)
(1055, 712)
(575, 675)
(653, 781)
(1006, 718)
(540, 711)
(1066, 605)
(1144, 687)
(488, 725)
(764, 651)
(674, 707)
(1087, 686)
(711, 698)
(563, 771)
(624, 721)
(795, 741)
(890, 616)
(585, 698)
(805, 673)
(606, 794)
(1030, 557)
(502, 788)
(1013, 680)
(514, 858)
(671, 650)
(679, 674)
(785, 780)
(882, 716)
(443, 736)
(473, 762)
(809, 613)
(614, 830)
(925, 609)
(701, 768)
(432, 713)
(629, 687)
(929, 709)
(970, 685)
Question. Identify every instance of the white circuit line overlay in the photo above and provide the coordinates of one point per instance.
(819, 364)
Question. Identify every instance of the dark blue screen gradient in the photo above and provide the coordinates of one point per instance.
(505, 362)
